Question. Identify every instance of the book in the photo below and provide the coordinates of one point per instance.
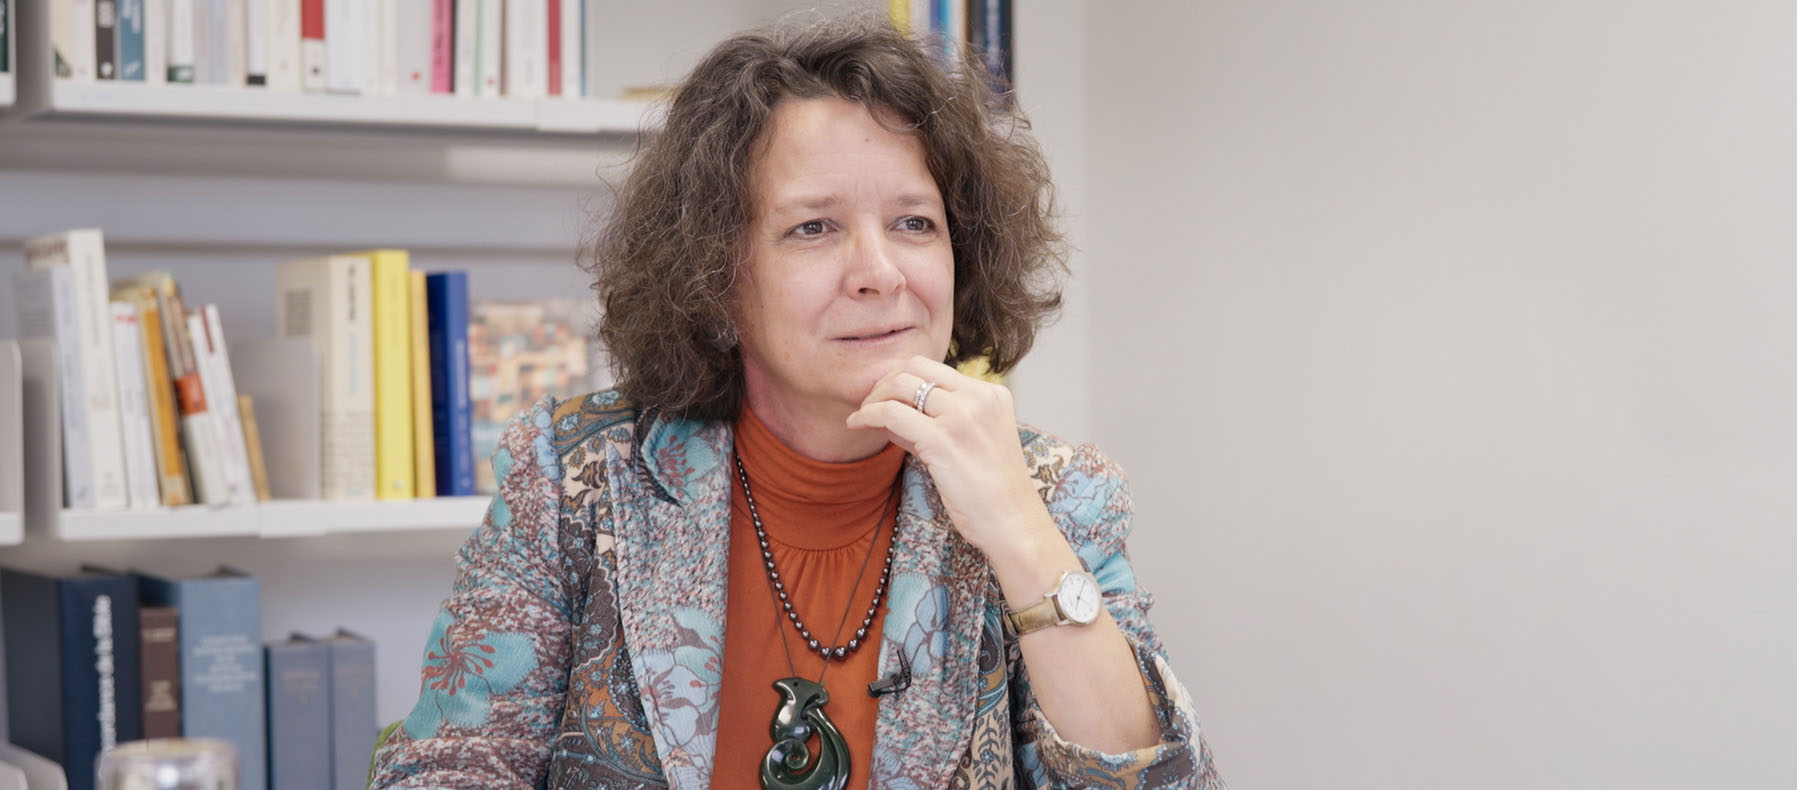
(282, 37)
(392, 374)
(220, 633)
(80, 38)
(130, 30)
(72, 665)
(5, 37)
(447, 312)
(45, 300)
(381, 46)
(354, 724)
(424, 458)
(989, 34)
(299, 714)
(552, 53)
(519, 352)
(413, 45)
(159, 387)
(160, 649)
(255, 42)
(252, 440)
(526, 44)
(314, 56)
(106, 39)
(488, 55)
(155, 41)
(134, 407)
(442, 46)
(572, 56)
(344, 29)
(328, 300)
(466, 49)
(12, 428)
(83, 253)
(200, 442)
(207, 334)
(593, 71)
(236, 43)
(182, 50)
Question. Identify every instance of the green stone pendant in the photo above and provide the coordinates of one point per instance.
(802, 712)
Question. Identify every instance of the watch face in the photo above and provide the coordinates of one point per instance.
(1079, 598)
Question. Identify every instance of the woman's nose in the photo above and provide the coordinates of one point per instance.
(873, 268)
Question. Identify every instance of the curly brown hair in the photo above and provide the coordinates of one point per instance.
(667, 256)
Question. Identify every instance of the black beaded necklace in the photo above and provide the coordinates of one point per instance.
(802, 701)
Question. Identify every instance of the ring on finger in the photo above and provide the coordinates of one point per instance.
(922, 395)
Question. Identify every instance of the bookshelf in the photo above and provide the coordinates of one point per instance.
(11, 528)
(272, 519)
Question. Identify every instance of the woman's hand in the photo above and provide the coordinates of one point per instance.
(967, 437)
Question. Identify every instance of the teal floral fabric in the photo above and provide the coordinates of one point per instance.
(582, 643)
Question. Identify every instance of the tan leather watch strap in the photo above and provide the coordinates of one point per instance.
(1042, 614)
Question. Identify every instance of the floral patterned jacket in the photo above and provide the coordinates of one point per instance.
(582, 643)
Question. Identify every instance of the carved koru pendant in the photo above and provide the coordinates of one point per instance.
(801, 713)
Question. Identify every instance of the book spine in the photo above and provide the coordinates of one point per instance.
(424, 453)
(106, 39)
(220, 634)
(451, 412)
(252, 441)
(31, 623)
(161, 657)
(82, 50)
(134, 407)
(171, 476)
(526, 50)
(45, 300)
(328, 301)
(467, 39)
(83, 253)
(221, 400)
(354, 725)
(487, 58)
(415, 39)
(5, 37)
(255, 42)
(442, 46)
(573, 59)
(181, 66)
(299, 715)
(131, 40)
(314, 56)
(552, 56)
(155, 41)
(102, 696)
(343, 41)
(387, 44)
(234, 40)
(283, 36)
(392, 376)
(379, 61)
(589, 45)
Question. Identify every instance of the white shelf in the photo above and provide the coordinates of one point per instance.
(231, 105)
(6, 89)
(273, 519)
(10, 529)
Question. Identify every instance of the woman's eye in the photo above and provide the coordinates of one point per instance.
(916, 224)
(815, 227)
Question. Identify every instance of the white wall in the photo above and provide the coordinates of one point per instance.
(1449, 345)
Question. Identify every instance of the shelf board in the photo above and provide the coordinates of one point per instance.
(406, 112)
(10, 529)
(272, 519)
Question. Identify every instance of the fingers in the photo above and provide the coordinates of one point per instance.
(905, 425)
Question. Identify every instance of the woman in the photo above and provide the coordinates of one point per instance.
(795, 548)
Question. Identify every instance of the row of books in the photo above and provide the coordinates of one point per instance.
(982, 25)
(150, 410)
(523, 48)
(101, 657)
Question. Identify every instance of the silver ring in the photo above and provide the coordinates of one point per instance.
(923, 394)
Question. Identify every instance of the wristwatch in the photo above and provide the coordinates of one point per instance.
(1074, 600)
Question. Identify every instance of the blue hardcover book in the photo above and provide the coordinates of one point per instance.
(220, 632)
(131, 40)
(72, 674)
(299, 714)
(446, 297)
(354, 722)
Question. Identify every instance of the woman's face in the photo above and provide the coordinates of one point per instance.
(850, 271)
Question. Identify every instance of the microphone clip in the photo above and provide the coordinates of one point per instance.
(892, 683)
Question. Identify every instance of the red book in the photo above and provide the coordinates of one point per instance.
(442, 46)
(555, 47)
(312, 52)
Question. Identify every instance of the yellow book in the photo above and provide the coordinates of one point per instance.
(392, 294)
(424, 448)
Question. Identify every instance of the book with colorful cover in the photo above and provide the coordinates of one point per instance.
(519, 352)
(72, 665)
(170, 465)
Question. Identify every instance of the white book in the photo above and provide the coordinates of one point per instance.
(156, 42)
(236, 43)
(487, 51)
(573, 64)
(329, 300)
(467, 38)
(381, 46)
(12, 428)
(412, 47)
(527, 49)
(83, 252)
(343, 33)
(45, 300)
(283, 45)
(593, 23)
(255, 41)
(81, 39)
(221, 401)
(134, 408)
(204, 62)
(182, 66)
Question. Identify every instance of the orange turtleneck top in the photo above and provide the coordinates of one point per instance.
(822, 520)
